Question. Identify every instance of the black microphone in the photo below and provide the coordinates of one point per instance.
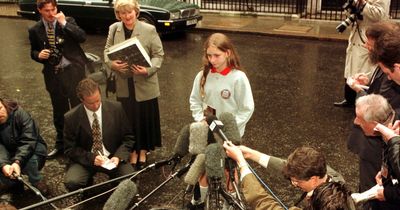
(122, 195)
(196, 170)
(198, 138)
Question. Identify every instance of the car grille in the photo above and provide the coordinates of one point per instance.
(185, 13)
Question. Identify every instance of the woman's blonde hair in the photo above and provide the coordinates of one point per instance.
(126, 5)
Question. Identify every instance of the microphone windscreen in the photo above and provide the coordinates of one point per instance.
(182, 142)
(230, 128)
(122, 196)
(215, 161)
(198, 138)
(196, 170)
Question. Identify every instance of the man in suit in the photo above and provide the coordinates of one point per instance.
(306, 169)
(95, 131)
(55, 43)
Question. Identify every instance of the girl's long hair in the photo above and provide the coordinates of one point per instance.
(223, 43)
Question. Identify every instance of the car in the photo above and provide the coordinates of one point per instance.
(166, 15)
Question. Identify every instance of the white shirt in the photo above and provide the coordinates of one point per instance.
(230, 93)
(89, 114)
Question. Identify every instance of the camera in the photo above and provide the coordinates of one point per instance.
(351, 6)
(56, 52)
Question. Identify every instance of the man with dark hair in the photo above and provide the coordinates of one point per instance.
(22, 149)
(55, 43)
(357, 61)
(96, 135)
(387, 54)
(305, 168)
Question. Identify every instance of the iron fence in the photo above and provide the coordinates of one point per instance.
(308, 9)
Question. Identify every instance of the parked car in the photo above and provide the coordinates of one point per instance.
(166, 15)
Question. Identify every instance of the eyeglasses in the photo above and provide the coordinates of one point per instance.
(296, 182)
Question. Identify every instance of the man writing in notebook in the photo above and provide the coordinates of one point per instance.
(96, 136)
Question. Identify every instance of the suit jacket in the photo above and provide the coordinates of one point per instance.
(146, 86)
(72, 34)
(117, 136)
(258, 198)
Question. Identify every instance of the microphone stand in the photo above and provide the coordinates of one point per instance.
(178, 173)
(34, 189)
(131, 175)
(218, 190)
(232, 167)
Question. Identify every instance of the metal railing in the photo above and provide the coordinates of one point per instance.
(308, 9)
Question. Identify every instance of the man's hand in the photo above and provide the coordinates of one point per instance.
(248, 153)
(61, 18)
(361, 78)
(16, 170)
(8, 170)
(378, 178)
(379, 195)
(234, 152)
(119, 66)
(44, 54)
(115, 160)
(139, 70)
(99, 160)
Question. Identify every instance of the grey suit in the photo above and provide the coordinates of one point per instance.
(117, 139)
(146, 87)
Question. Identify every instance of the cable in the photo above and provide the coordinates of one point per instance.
(267, 188)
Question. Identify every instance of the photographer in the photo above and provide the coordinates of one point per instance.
(55, 43)
(363, 13)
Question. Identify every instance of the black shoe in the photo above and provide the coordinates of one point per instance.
(141, 165)
(343, 103)
(191, 206)
(56, 152)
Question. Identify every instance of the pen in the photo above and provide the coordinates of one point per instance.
(101, 155)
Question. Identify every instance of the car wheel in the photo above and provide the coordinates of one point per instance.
(147, 19)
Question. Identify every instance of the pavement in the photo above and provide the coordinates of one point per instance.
(273, 25)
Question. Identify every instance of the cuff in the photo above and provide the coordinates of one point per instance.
(264, 160)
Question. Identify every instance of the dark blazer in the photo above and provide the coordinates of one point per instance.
(72, 34)
(117, 136)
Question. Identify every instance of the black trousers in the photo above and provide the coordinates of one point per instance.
(349, 94)
(62, 89)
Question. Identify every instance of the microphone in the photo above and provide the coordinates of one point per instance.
(196, 170)
(122, 195)
(182, 142)
(232, 131)
(198, 138)
(230, 127)
(215, 161)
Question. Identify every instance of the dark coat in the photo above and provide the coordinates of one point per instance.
(20, 139)
(392, 161)
(117, 136)
(72, 34)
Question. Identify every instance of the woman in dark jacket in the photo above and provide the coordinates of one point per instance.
(21, 146)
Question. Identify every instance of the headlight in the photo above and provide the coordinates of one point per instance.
(175, 15)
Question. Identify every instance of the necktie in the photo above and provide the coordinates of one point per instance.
(51, 36)
(96, 134)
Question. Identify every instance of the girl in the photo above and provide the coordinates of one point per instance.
(220, 87)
